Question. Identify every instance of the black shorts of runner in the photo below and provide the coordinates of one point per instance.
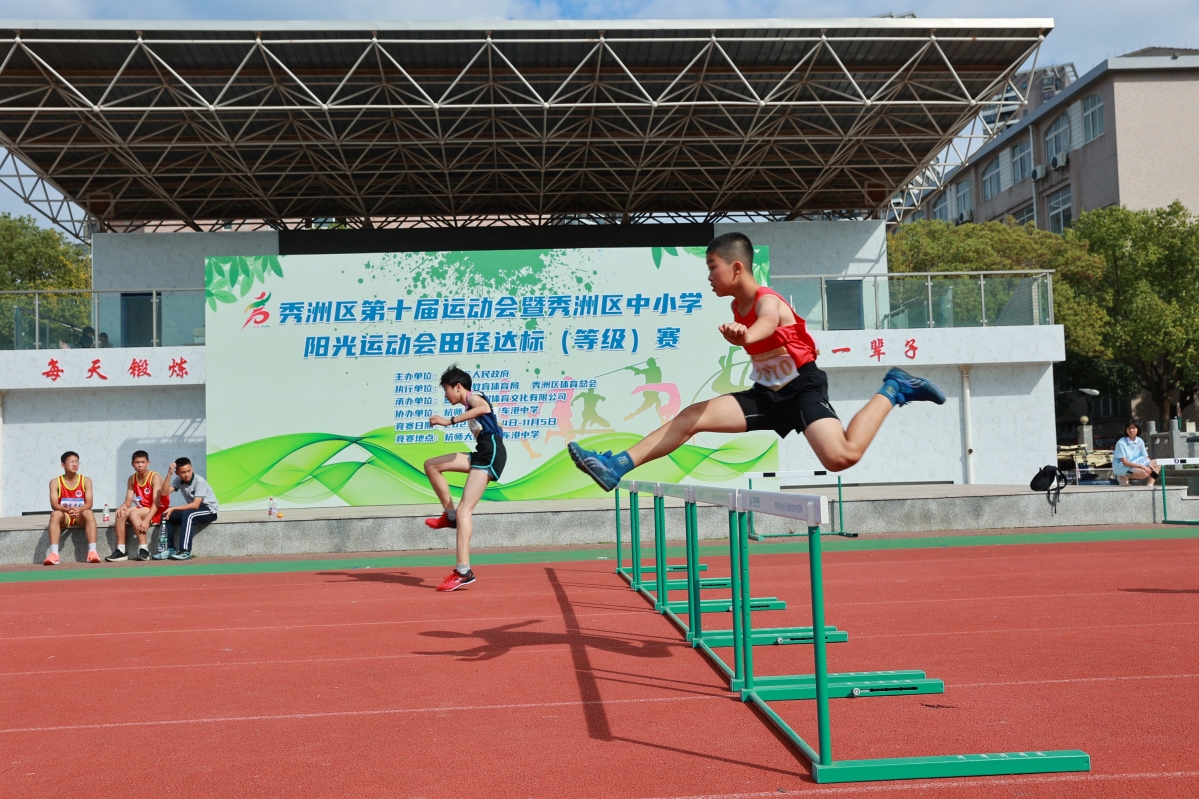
(793, 407)
(489, 455)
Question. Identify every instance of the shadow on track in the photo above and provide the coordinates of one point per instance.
(1160, 590)
(372, 576)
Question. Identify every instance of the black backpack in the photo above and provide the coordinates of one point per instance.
(1051, 480)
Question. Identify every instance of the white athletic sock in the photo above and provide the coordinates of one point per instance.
(54, 549)
(462, 569)
(91, 547)
(120, 548)
(452, 515)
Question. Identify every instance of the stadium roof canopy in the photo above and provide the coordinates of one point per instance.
(378, 124)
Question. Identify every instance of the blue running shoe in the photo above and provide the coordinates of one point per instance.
(596, 465)
(914, 389)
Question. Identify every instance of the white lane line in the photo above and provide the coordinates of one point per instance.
(925, 785)
(861, 636)
(632, 610)
(1129, 678)
(359, 713)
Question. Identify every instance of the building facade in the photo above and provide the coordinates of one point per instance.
(1126, 133)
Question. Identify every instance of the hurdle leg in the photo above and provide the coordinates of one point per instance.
(619, 567)
(735, 565)
(820, 651)
(694, 615)
(635, 540)
(746, 610)
(661, 598)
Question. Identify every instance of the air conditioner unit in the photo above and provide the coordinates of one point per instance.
(1039, 172)
(1059, 161)
(966, 216)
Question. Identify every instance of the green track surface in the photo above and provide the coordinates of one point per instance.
(830, 544)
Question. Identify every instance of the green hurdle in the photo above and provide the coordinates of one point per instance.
(637, 569)
(1165, 463)
(804, 473)
(761, 691)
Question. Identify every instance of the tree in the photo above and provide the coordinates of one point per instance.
(32, 257)
(1150, 294)
(934, 246)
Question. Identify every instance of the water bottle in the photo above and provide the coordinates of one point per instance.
(106, 516)
(162, 536)
(272, 512)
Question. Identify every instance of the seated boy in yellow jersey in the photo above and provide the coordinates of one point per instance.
(71, 506)
(144, 502)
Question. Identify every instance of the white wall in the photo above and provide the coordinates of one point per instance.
(168, 260)
(105, 426)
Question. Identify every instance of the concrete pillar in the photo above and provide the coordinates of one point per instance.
(967, 433)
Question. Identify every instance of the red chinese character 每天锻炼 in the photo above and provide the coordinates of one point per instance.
(178, 368)
(54, 371)
(910, 349)
(139, 368)
(876, 349)
(94, 370)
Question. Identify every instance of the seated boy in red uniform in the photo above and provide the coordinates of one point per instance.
(789, 391)
(71, 501)
(143, 506)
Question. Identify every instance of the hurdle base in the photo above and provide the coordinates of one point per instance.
(627, 571)
(777, 636)
(846, 679)
(725, 605)
(765, 536)
(846, 688)
(707, 582)
(940, 766)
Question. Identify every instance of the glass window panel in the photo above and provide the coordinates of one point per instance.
(844, 303)
(1092, 117)
(1021, 161)
(182, 315)
(65, 321)
(1060, 216)
(1057, 138)
(17, 329)
(1012, 300)
(908, 303)
(965, 200)
(957, 301)
(1024, 215)
(991, 184)
(941, 207)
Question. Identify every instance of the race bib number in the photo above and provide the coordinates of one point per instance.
(774, 369)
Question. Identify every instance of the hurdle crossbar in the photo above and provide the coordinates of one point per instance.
(821, 685)
(1166, 463)
(751, 476)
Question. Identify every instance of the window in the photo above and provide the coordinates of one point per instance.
(941, 207)
(1092, 117)
(991, 180)
(1024, 215)
(1057, 138)
(1059, 210)
(965, 201)
(1021, 161)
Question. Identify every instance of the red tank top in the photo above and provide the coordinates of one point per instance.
(144, 495)
(71, 497)
(794, 339)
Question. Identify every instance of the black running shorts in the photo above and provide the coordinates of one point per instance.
(793, 407)
(489, 455)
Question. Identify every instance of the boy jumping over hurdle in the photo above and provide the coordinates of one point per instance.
(789, 391)
(482, 466)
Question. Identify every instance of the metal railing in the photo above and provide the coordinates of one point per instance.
(908, 300)
(86, 319)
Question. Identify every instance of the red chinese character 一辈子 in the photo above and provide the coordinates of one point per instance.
(178, 368)
(910, 349)
(53, 371)
(139, 367)
(94, 370)
(876, 349)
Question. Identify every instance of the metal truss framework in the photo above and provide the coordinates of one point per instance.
(530, 125)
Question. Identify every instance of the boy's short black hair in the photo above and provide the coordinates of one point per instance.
(455, 377)
(141, 453)
(181, 462)
(733, 247)
(68, 454)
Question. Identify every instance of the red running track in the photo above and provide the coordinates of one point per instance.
(555, 680)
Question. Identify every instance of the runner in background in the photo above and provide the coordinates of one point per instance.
(71, 506)
(482, 466)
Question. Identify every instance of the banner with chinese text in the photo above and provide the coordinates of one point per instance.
(323, 369)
